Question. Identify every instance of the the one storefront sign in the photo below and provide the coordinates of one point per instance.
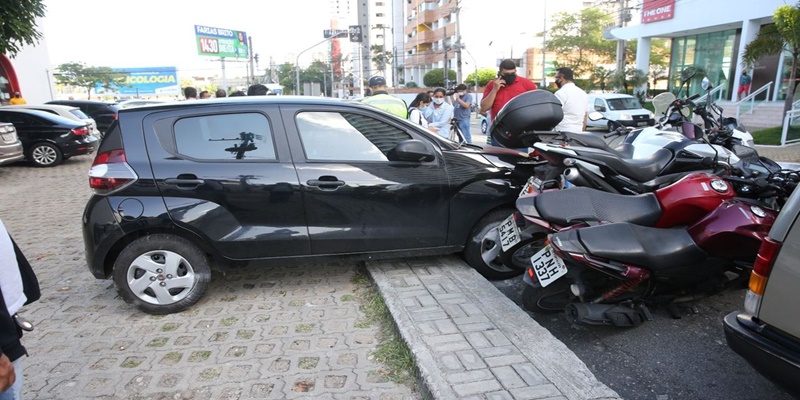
(657, 10)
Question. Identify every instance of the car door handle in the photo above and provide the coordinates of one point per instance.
(184, 183)
(326, 183)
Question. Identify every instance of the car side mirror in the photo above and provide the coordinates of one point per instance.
(411, 150)
(599, 109)
(596, 116)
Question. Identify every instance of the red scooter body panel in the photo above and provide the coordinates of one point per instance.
(734, 229)
(692, 197)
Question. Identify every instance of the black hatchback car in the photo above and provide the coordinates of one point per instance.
(103, 113)
(48, 139)
(183, 186)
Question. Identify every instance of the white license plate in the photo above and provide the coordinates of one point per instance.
(532, 185)
(641, 123)
(509, 233)
(547, 267)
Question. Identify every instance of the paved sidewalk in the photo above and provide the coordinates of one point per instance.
(471, 342)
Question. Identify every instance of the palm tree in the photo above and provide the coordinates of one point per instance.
(601, 76)
(773, 39)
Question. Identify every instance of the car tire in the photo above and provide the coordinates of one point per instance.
(484, 126)
(45, 155)
(519, 256)
(611, 126)
(482, 251)
(548, 300)
(141, 280)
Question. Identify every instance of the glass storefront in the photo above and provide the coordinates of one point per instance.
(712, 54)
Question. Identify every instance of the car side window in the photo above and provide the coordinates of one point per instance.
(598, 104)
(242, 136)
(347, 137)
(17, 119)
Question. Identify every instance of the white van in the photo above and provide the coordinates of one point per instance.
(622, 108)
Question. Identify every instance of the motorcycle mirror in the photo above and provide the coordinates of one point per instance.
(595, 116)
(706, 83)
(688, 73)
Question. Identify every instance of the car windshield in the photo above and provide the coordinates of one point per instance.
(625, 103)
(78, 113)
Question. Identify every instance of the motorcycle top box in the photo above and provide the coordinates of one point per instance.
(537, 110)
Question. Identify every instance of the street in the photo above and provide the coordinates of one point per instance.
(663, 359)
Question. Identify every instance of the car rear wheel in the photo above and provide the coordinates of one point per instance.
(161, 274)
(482, 251)
(45, 155)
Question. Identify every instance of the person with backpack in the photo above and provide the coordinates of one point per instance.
(416, 113)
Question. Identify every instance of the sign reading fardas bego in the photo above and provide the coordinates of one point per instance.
(219, 42)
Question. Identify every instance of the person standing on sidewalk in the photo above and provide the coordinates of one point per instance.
(17, 100)
(507, 86)
(573, 102)
(462, 102)
(18, 287)
(441, 113)
(744, 85)
(381, 98)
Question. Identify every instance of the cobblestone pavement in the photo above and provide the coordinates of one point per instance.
(283, 332)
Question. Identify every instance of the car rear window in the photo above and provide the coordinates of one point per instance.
(243, 136)
(78, 113)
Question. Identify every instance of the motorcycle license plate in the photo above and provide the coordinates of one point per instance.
(641, 123)
(532, 185)
(547, 267)
(509, 233)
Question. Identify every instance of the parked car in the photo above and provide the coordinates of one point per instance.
(68, 112)
(621, 108)
(10, 146)
(181, 186)
(103, 113)
(127, 103)
(48, 139)
(767, 332)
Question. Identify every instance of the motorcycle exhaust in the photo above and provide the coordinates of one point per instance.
(620, 315)
(573, 176)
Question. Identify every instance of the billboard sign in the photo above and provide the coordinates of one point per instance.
(147, 81)
(657, 10)
(218, 42)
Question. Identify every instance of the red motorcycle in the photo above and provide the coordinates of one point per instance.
(544, 211)
(609, 274)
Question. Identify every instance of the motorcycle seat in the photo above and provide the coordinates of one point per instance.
(640, 170)
(588, 140)
(653, 248)
(566, 207)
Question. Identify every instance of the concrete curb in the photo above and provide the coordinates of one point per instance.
(470, 341)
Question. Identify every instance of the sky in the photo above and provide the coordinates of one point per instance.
(154, 33)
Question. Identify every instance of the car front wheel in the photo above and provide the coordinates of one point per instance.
(484, 126)
(161, 274)
(482, 251)
(45, 155)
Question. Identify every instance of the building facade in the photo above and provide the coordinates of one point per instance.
(710, 35)
(375, 19)
(430, 33)
(28, 73)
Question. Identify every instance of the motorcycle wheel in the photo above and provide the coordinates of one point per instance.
(548, 300)
(519, 256)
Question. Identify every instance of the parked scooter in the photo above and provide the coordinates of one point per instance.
(609, 274)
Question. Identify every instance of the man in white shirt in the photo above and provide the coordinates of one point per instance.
(573, 101)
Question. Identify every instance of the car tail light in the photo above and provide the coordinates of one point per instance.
(761, 270)
(110, 172)
(82, 131)
(114, 116)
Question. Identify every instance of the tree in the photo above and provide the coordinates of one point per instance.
(318, 72)
(286, 77)
(380, 57)
(773, 39)
(19, 24)
(601, 77)
(629, 77)
(89, 77)
(484, 76)
(435, 77)
(578, 40)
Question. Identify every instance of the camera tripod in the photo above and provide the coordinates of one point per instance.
(455, 132)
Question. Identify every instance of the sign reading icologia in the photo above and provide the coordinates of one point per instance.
(218, 42)
(146, 81)
(657, 10)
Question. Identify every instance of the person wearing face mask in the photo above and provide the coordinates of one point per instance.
(507, 86)
(573, 102)
(462, 101)
(441, 113)
(415, 114)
